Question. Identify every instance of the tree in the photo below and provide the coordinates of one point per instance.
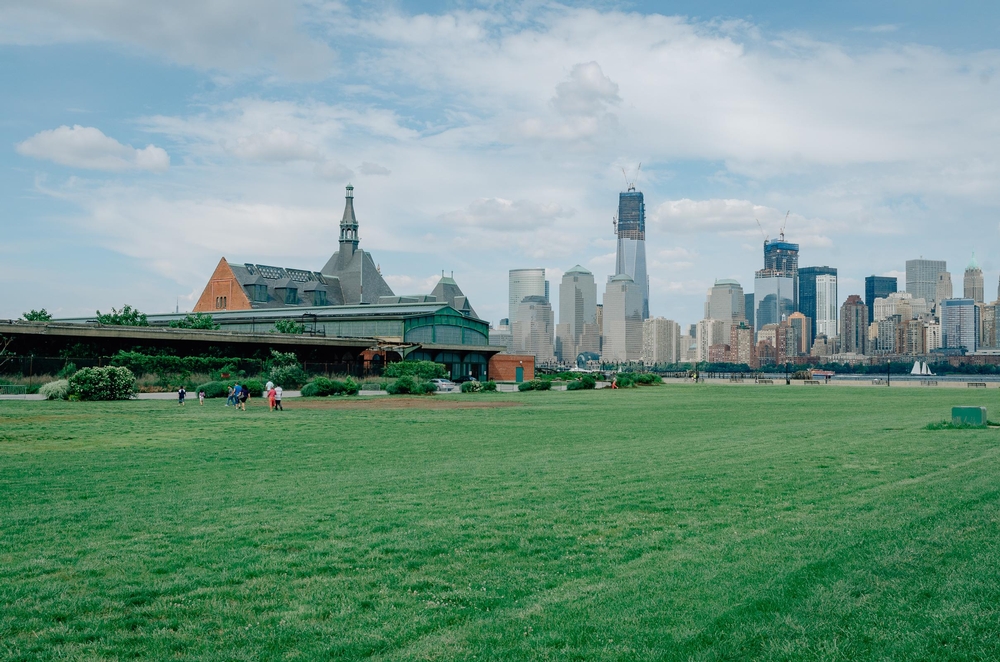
(289, 326)
(196, 321)
(127, 316)
(37, 316)
(6, 353)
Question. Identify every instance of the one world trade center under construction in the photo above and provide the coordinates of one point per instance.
(631, 230)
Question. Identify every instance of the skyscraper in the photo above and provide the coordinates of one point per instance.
(577, 312)
(944, 289)
(524, 283)
(973, 282)
(802, 324)
(959, 324)
(532, 331)
(818, 300)
(922, 278)
(877, 287)
(776, 286)
(726, 301)
(631, 230)
(748, 306)
(854, 326)
(622, 319)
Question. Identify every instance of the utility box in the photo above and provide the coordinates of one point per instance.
(968, 416)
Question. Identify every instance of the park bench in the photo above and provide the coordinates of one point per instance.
(977, 385)
(811, 381)
(878, 382)
(765, 381)
(736, 379)
(928, 382)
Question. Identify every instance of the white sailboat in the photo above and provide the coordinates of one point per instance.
(917, 370)
(926, 370)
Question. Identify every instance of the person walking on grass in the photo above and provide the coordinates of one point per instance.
(244, 396)
(231, 397)
(201, 397)
(180, 395)
(277, 398)
(271, 398)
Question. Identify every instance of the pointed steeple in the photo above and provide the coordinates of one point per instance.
(973, 264)
(349, 224)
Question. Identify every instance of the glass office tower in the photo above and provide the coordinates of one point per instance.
(631, 230)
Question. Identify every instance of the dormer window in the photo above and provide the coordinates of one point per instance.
(319, 298)
(291, 296)
(259, 292)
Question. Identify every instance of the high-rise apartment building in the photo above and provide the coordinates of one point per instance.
(524, 283)
(661, 341)
(959, 324)
(877, 287)
(899, 303)
(622, 320)
(973, 282)
(741, 345)
(803, 333)
(854, 326)
(987, 326)
(818, 299)
(630, 227)
(726, 301)
(577, 330)
(710, 332)
(944, 289)
(748, 307)
(533, 329)
(922, 277)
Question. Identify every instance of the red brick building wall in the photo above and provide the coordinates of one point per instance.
(503, 367)
(223, 292)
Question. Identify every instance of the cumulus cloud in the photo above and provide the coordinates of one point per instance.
(276, 145)
(500, 214)
(587, 92)
(87, 147)
(369, 168)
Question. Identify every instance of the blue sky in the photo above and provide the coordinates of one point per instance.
(141, 142)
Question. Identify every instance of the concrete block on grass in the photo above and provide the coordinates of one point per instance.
(968, 415)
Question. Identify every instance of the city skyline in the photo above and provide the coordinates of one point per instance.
(239, 143)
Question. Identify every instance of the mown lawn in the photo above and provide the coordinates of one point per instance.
(681, 522)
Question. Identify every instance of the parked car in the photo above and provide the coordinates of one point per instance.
(443, 384)
(466, 378)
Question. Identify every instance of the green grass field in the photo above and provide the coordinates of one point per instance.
(681, 522)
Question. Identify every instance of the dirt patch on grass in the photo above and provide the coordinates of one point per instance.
(386, 402)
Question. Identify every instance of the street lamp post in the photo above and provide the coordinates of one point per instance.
(788, 382)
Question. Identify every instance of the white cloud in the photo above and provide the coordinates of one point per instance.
(87, 147)
(369, 168)
(506, 215)
(276, 145)
(229, 35)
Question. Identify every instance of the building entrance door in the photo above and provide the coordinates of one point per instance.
(518, 374)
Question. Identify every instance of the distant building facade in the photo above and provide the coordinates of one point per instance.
(945, 289)
(524, 283)
(818, 299)
(577, 331)
(959, 324)
(972, 283)
(622, 318)
(854, 326)
(877, 287)
(661, 341)
(922, 278)
(533, 330)
(630, 228)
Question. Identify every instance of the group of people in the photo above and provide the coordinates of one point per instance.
(238, 396)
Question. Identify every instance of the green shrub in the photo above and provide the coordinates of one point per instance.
(67, 371)
(127, 316)
(110, 383)
(289, 326)
(426, 388)
(288, 376)
(196, 321)
(588, 381)
(57, 390)
(490, 387)
(214, 389)
(471, 387)
(574, 385)
(322, 387)
(535, 385)
(526, 386)
(424, 370)
(253, 386)
(153, 364)
(402, 386)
